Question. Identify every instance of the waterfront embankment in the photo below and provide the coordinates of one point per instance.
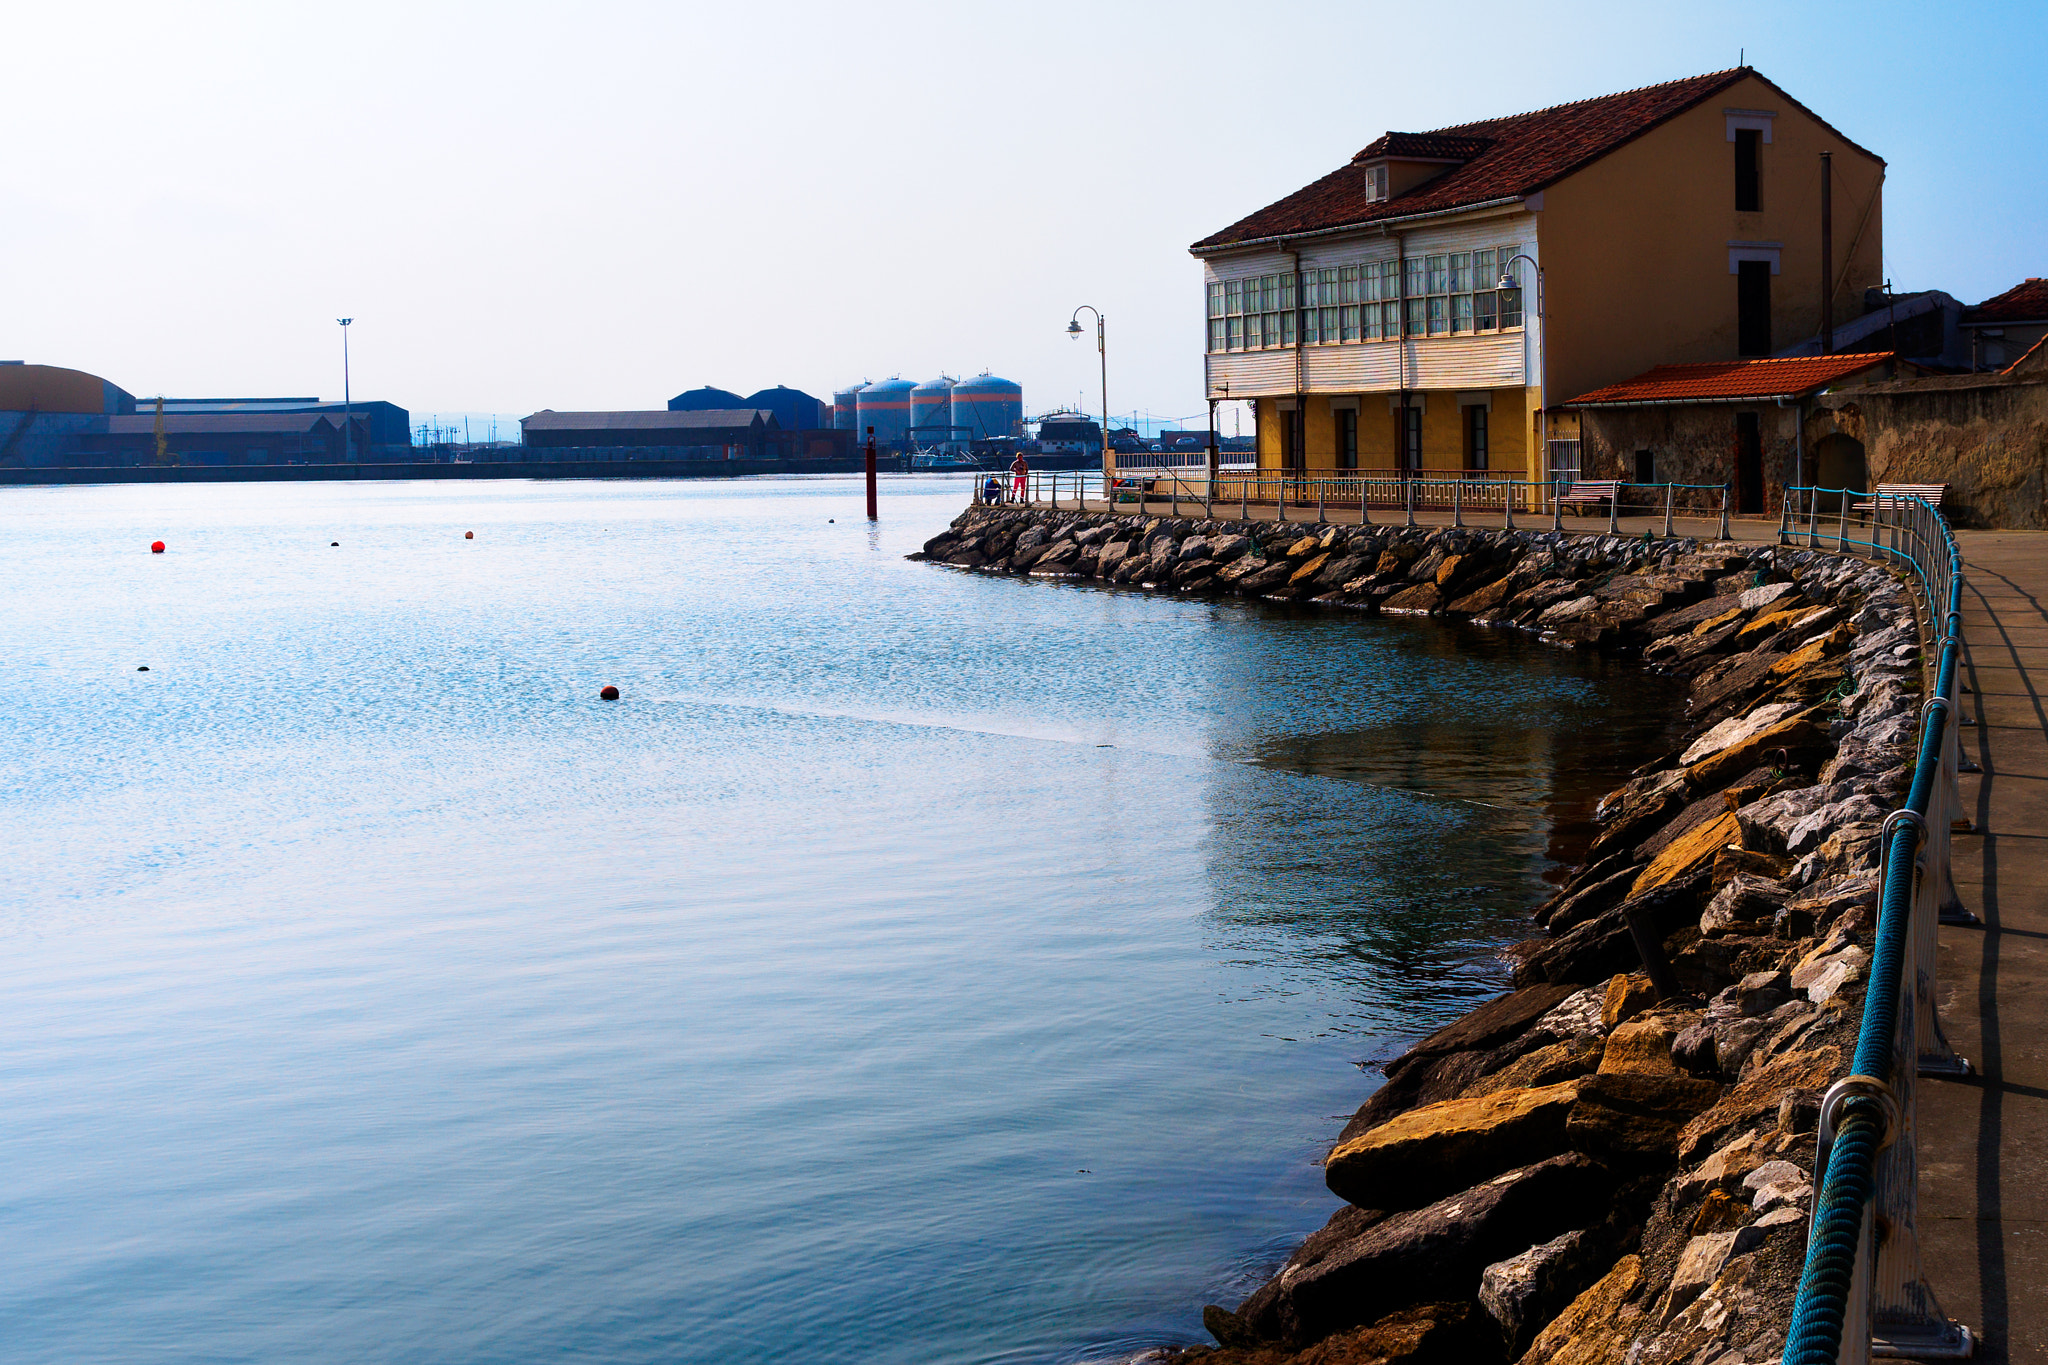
(1612, 1160)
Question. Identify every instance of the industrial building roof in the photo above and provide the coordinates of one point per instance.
(657, 420)
(2026, 301)
(1502, 158)
(1721, 381)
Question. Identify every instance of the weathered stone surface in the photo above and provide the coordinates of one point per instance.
(1569, 610)
(1628, 994)
(1587, 902)
(1425, 1153)
(1794, 740)
(1696, 846)
(1429, 1253)
(1821, 977)
(1743, 904)
(1308, 569)
(1545, 1066)
(1642, 1046)
(1235, 571)
(1736, 729)
(1631, 1116)
(1764, 596)
(1419, 600)
(1274, 573)
(1492, 1023)
(1486, 598)
(1597, 1326)
(1747, 1103)
(1524, 1292)
(1700, 1264)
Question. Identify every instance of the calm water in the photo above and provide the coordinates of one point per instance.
(913, 967)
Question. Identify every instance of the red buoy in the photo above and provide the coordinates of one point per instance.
(469, 535)
(609, 693)
(156, 547)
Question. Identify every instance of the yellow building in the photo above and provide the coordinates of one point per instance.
(1363, 314)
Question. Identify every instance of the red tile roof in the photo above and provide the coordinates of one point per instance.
(1503, 158)
(2024, 302)
(1723, 380)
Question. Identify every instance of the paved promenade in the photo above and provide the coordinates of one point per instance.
(1984, 1141)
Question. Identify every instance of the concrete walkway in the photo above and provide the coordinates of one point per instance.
(1984, 1141)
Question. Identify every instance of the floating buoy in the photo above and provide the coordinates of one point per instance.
(831, 520)
(156, 547)
(609, 693)
(142, 668)
(469, 535)
(334, 542)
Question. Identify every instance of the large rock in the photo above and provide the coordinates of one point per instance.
(1428, 1152)
(1631, 1116)
(1687, 852)
(1419, 600)
(1736, 729)
(1597, 1327)
(1524, 1292)
(1491, 1024)
(1755, 1097)
(1428, 1254)
(1795, 740)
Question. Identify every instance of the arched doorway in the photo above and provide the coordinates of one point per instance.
(1838, 463)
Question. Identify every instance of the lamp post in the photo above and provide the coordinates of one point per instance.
(1101, 349)
(348, 425)
(1508, 281)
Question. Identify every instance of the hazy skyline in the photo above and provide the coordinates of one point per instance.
(526, 207)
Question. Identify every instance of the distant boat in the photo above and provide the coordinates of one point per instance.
(942, 460)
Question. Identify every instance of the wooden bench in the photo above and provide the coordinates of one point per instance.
(1596, 492)
(1929, 492)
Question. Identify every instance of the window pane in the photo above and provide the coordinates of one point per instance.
(1329, 324)
(1390, 320)
(1482, 270)
(1482, 311)
(1254, 331)
(1349, 325)
(1511, 308)
(1236, 333)
(1286, 329)
(1215, 300)
(1287, 292)
(1461, 312)
(1416, 279)
(1232, 301)
(1439, 316)
(1415, 317)
(1461, 272)
(1347, 285)
(1215, 334)
(1439, 273)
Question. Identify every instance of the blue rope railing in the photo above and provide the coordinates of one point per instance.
(1859, 1115)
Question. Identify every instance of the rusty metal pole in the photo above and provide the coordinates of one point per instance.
(872, 515)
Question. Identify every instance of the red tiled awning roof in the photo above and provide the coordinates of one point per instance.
(1502, 158)
(1723, 381)
(2024, 302)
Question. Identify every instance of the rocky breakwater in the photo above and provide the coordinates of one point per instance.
(1612, 1162)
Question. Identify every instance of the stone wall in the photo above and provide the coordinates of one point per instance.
(1611, 1162)
(1986, 436)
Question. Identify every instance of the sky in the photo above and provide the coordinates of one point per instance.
(601, 205)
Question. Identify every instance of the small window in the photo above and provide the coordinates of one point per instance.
(1475, 438)
(1646, 466)
(1375, 184)
(1347, 438)
(1748, 170)
(1411, 439)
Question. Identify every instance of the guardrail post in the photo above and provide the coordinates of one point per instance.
(1557, 506)
(1408, 498)
(1724, 511)
(1813, 518)
(1614, 511)
(1842, 525)
(1209, 497)
(1458, 502)
(1364, 502)
(1507, 502)
(1244, 500)
(1320, 518)
(1669, 494)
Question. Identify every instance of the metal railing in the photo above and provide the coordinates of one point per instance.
(1243, 494)
(1862, 1292)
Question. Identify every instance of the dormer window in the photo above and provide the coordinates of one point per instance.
(1375, 183)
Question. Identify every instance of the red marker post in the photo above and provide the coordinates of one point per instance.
(871, 474)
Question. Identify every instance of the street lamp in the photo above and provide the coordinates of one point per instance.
(1508, 281)
(1102, 349)
(348, 426)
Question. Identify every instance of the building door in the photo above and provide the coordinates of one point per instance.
(1749, 464)
(1290, 442)
(1347, 438)
(1646, 466)
(1753, 307)
(1411, 440)
(1839, 463)
(1475, 438)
